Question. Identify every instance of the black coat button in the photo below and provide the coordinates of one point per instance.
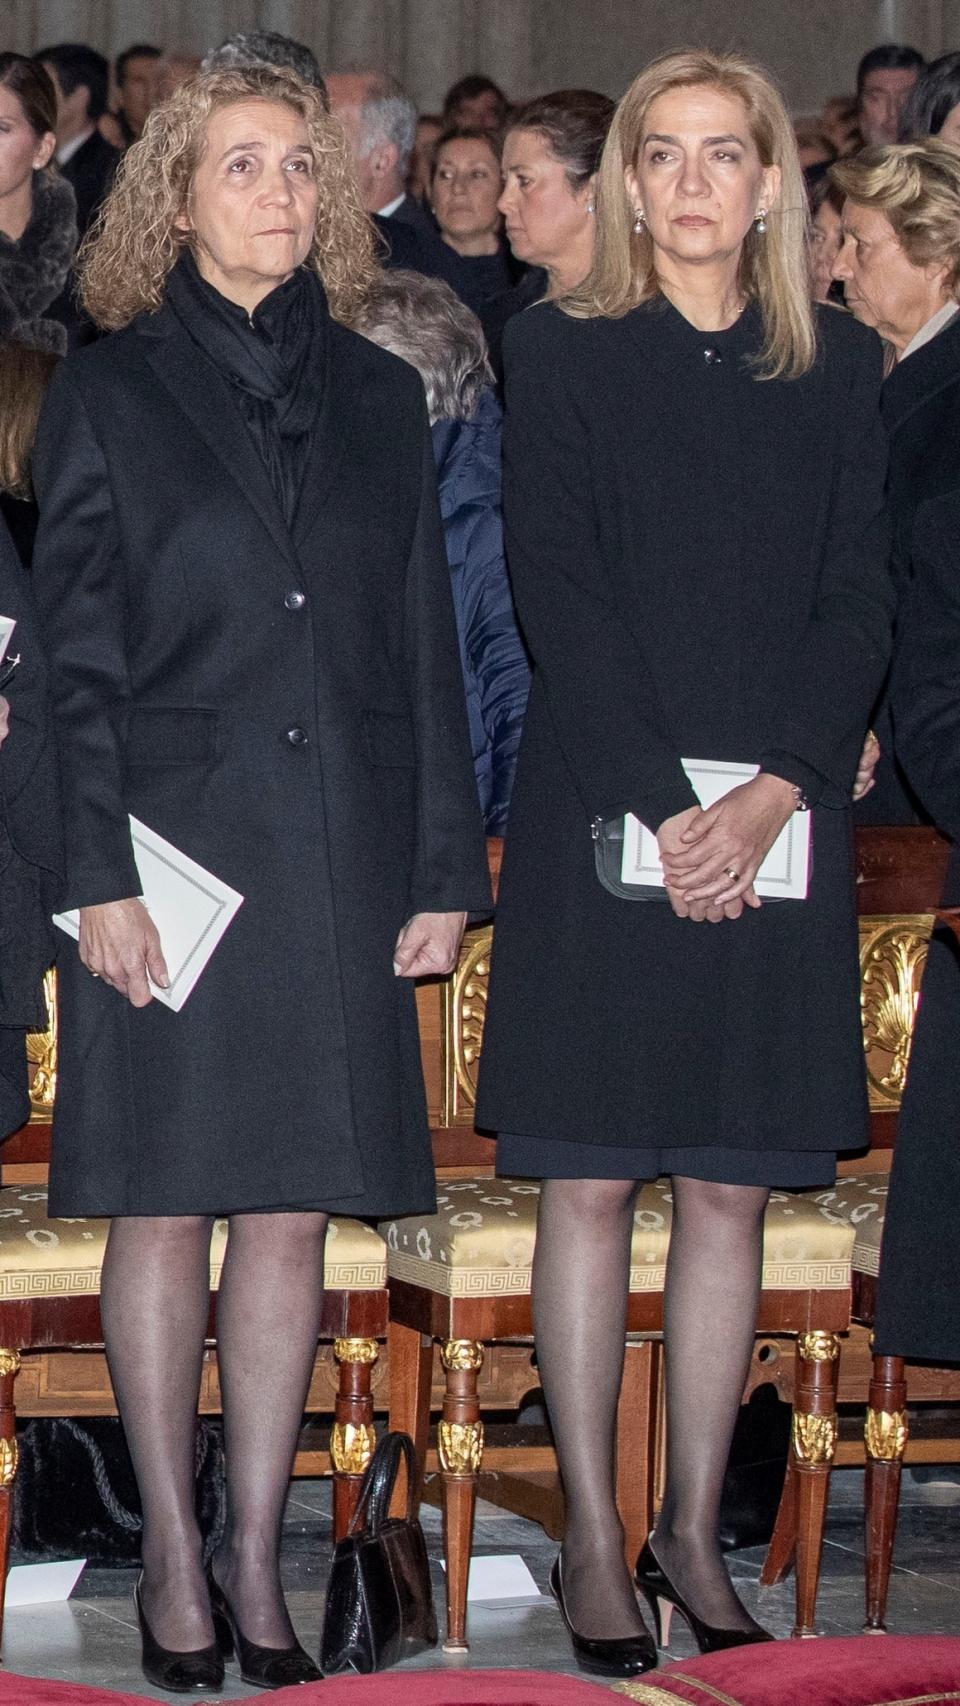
(295, 600)
(712, 357)
(297, 737)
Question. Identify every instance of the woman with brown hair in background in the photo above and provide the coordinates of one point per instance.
(38, 210)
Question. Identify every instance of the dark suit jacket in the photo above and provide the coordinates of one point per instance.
(284, 705)
(90, 170)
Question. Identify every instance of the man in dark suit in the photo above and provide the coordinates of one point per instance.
(381, 123)
(88, 162)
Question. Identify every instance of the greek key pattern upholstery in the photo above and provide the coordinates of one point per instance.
(861, 1201)
(62, 1258)
(480, 1241)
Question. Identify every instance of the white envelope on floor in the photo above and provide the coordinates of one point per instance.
(785, 871)
(190, 907)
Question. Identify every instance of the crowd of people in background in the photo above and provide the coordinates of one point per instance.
(221, 424)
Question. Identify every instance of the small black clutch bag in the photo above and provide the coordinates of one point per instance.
(379, 1599)
(608, 854)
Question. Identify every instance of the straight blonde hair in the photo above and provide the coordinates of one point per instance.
(774, 266)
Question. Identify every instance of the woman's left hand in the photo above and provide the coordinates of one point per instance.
(726, 844)
(866, 765)
(428, 944)
(4, 718)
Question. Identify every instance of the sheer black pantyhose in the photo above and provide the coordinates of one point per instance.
(154, 1301)
(581, 1270)
(580, 1283)
(710, 1314)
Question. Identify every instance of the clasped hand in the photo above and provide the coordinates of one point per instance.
(711, 858)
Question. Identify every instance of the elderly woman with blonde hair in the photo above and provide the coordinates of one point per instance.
(252, 650)
(900, 266)
(693, 502)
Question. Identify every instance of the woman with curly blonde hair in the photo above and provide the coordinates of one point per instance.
(241, 573)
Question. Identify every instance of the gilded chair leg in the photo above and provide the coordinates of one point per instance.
(410, 1358)
(9, 1369)
(782, 1549)
(636, 1442)
(460, 1446)
(353, 1437)
(885, 1436)
(814, 1440)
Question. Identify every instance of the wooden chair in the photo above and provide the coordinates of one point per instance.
(900, 877)
(50, 1314)
(459, 1285)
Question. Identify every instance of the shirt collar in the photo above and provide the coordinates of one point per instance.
(934, 325)
(391, 207)
(73, 147)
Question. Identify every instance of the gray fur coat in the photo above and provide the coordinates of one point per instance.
(34, 270)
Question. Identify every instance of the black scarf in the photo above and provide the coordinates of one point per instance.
(274, 360)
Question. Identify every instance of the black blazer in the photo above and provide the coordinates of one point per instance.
(286, 706)
(699, 559)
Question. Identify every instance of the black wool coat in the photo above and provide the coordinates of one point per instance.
(920, 407)
(285, 706)
(31, 852)
(700, 567)
(918, 1303)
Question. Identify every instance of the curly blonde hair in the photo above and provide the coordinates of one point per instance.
(135, 242)
(917, 186)
(774, 268)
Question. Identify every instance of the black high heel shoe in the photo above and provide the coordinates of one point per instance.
(663, 1600)
(626, 1655)
(262, 1667)
(181, 1673)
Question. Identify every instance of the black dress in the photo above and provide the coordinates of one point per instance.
(700, 567)
(247, 608)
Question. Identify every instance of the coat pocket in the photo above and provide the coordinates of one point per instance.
(390, 742)
(160, 735)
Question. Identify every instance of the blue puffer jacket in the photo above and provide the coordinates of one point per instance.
(496, 672)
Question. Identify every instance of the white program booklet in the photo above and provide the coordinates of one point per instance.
(784, 874)
(190, 907)
(7, 625)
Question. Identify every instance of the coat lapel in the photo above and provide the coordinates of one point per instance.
(204, 397)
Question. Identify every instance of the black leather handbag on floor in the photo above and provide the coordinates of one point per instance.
(379, 1599)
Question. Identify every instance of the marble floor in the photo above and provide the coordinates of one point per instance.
(93, 1638)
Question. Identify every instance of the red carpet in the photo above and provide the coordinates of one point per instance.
(392, 1688)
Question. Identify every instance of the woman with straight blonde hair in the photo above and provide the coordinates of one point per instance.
(252, 648)
(694, 472)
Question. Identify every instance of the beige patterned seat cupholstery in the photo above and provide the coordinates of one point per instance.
(56, 1258)
(480, 1241)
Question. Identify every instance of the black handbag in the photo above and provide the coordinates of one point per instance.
(379, 1599)
(608, 854)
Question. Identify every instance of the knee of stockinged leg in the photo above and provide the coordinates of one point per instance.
(721, 1205)
(588, 1199)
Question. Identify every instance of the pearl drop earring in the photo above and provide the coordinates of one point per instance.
(638, 222)
(761, 221)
